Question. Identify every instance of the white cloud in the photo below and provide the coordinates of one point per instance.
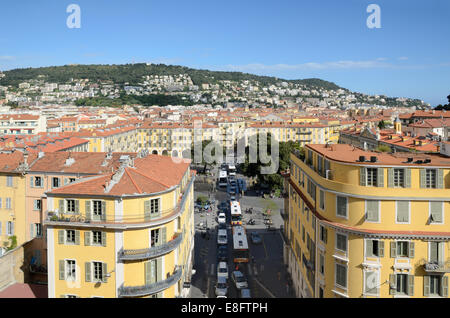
(377, 63)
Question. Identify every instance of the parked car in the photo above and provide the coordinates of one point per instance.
(222, 270)
(239, 280)
(232, 198)
(221, 286)
(222, 237)
(221, 218)
(222, 253)
(245, 293)
(256, 238)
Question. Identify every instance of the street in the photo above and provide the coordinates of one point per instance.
(266, 274)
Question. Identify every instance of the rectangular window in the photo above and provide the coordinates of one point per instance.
(323, 234)
(436, 212)
(322, 200)
(402, 211)
(371, 283)
(97, 238)
(8, 204)
(154, 206)
(55, 182)
(372, 211)
(98, 271)
(322, 264)
(70, 270)
(10, 228)
(341, 275)
(38, 182)
(374, 248)
(341, 206)
(402, 249)
(38, 229)
(97, 209)
(399, 177)
(70, 236)
(430, 178)
(341, 242)
(402, 284)
(70, 208)
(435, 285)
(372, 177)
(9, 181)
(37, 205)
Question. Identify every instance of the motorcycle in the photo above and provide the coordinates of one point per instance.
(251, 222)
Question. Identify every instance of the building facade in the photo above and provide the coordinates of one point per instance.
(367, 224)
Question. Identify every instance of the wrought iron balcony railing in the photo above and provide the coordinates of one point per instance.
(155, 251)
(436, 267)
(139, 291)
(52, 217)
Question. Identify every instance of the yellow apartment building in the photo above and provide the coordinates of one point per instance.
(129, 233)
(364, 224)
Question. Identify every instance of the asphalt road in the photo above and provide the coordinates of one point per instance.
(266, 273)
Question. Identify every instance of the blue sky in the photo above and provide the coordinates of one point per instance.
(408, 56)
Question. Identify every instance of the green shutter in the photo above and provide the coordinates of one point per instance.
(444, 287)
(362, 176)
(403, 211)
(31, 231)
(31, 182)
(163, 235)
(372, 210)
(87, 208)
(426, 286)
(380, 248)
(390, 177)
(436, 211)
(77, 206)
(103, 238)
(440, 179)
(147, 272)
(62, 270)
(87, 238)
(60, 236)
(407, 178)
(159, 269)
(410, 285)
(61, 206)
(411, 250)
(103, 217)
(433, 251)
(152, 271)
(393, 249)
(369, 248)
(147, 210)
(104, 272)
(325, 234)
(87, 268)
(77, 237)
(380, 177)
(392, 284)
(423, 178)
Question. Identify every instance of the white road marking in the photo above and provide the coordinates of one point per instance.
(212, 269)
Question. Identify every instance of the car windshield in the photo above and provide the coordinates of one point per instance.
(222, 270)
(222, 285)
(240, 279)
(222, 237)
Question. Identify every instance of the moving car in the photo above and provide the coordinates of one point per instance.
(221, 218)
(222, 237)
(222, 270)
(245, 293)
(239, 280)
(256, 238)
(221, 286)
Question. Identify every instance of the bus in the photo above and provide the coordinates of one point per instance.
(223, 181)
(240, 245)
(236, 213)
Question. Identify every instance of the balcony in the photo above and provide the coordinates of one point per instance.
(116, 221)
(436, 267)
(152, 252)
(139, 291)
